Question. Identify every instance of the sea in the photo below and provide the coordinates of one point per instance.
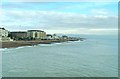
(96, 56)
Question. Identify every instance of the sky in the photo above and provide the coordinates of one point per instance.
(61, 17)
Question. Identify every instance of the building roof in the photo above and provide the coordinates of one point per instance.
(2, 28)
(64, 36)
(35, 30)
(18, 32)
(49, 35)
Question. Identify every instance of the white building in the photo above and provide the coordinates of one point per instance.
(3, 32)
(4, 35)
(55, 36)
(36, 34)
(49, 36)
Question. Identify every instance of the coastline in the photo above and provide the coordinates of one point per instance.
(14, 44)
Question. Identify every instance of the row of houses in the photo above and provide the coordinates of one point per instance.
(30, 34)
(5, 35)
(34, 35)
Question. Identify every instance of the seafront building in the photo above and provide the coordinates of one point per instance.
(28, 35)
(3, 32)
(64, 37)
(55, 37)
(49, 36)
(4, 35)
(21, 35)
(36, 34)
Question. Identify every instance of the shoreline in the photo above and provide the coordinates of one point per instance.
(14, 44)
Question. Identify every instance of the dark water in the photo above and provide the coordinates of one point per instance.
(94, 57)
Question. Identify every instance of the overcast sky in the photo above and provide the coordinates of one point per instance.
(61, 17)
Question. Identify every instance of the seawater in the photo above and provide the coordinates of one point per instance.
(94, 57)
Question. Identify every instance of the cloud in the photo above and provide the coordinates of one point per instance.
(100, 11)
(98, 31)
(105, 31)
(71, 22)
(58, 21)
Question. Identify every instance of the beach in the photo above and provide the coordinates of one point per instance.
(12, 44)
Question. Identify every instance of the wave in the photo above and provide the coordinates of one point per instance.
(53, 44)
(21, 47)
(2, 49)
(61, 43)
(45, 44)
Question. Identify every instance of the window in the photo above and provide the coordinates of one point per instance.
(35, 34)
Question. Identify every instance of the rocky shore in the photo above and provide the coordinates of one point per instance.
(12, 44)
